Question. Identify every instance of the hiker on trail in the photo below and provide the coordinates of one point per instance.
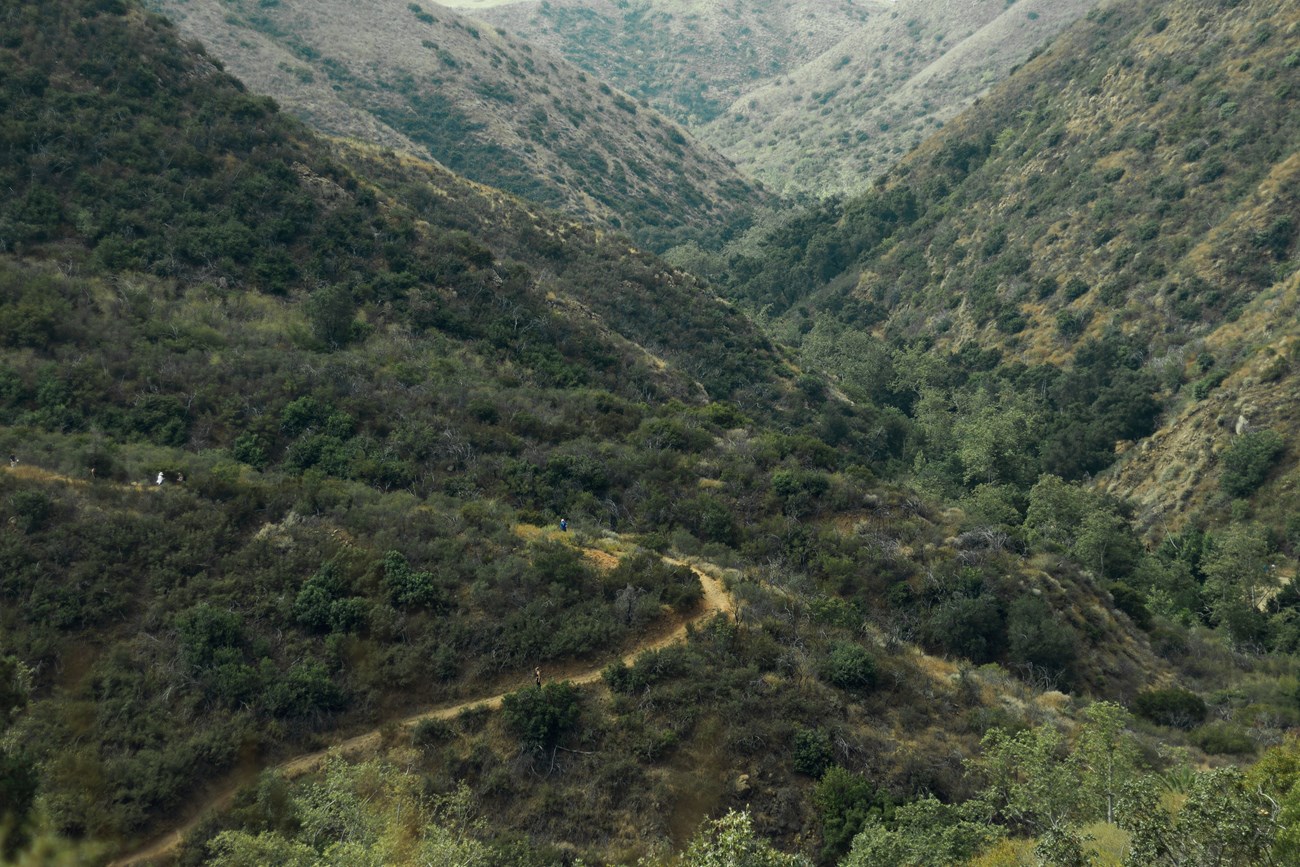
(13, 459)
(564, 525)
(537, 676)
(160, 478)
(92, 472)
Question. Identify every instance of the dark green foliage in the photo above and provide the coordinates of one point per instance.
(1038, 641)
(1246, 462)
(849, 666)
(19, 784)
(1171, 706)
(846, 802)
(408, 588)
(31, 509)
(973, 627)
(540, 716)
(322, 605)
(812, 753)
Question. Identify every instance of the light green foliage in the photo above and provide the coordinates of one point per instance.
(1029, 778)
(1107, 755)
(1277, 776)
(1237, 579)
(1056, 510)
(923, 833)
(860, 362)
(363, 814)
(732, 842)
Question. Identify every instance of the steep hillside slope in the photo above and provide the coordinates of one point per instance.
(283, 416)
(688, 59)
(487, 106)
(1129, 195)
(845, 117)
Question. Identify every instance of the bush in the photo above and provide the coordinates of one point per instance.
(1248, 459)
(812, 751)
(32, 510)
(540, 716)
(1171, 707)
(1224, 739)
(1036, 638)
(849, 666)
(847, 801)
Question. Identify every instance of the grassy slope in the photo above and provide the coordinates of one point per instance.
(845, 117)
(485, 105)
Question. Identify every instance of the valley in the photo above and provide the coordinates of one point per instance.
(427, 447)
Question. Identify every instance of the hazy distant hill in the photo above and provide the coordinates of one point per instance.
(807, 97)
(483, 104)
(843, 118)
(689, 59)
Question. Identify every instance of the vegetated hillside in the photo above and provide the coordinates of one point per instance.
(284, 414)
(845, 117)
(485, 105)
(688, 59)
(1123, 207)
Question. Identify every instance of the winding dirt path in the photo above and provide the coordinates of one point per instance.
(716, 599)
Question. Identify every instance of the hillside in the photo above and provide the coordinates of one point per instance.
(809, 98)
(689, 60)
(293, 423)
(483, 104)
(1124, 203)
(843, 118)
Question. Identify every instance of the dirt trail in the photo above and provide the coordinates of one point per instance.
(716, 599)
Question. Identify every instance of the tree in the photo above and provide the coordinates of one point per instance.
(1029, 780)
(731, 842)
(847, 801)
(331, 310)
(1106, 754)
(924, 833)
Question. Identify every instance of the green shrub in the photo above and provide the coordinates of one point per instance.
(1223, 739)
(849, 666)
(32, 509)
(540, 716)
(846, 802)
(812, 751)
(1171, 706)
(1248, 459)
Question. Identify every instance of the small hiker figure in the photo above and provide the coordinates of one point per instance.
(92, 472)
(160, 478)
(564, 525)
(537, 676)
(13, 459)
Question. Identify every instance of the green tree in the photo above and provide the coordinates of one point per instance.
(846, 802)
(923, 833)
(331, 310)
(1106, 754)
(731, 842)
